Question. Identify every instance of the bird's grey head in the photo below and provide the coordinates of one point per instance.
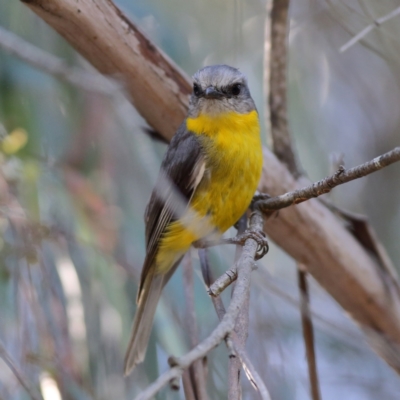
(220, 89)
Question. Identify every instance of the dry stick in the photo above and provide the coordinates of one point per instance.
(308, 332)
(232, 339)
(327, 184)
(281, 139)
(241, 331)
(52, 65)
(376, 24)
(196, 381)
(227, 323)
(8, 360)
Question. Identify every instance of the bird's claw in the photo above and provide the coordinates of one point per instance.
(258, 236)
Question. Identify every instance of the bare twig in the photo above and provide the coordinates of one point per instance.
(227, 323)
(52, 65)
(327, 184)
(223, 282)
(196, 377)
(8, 360)
(308, 333)
(376, 24)
(241, 331)
(232, 339)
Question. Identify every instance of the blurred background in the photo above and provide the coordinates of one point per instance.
(77, 171)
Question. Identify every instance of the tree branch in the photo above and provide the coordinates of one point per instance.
(308, 333)
(376, 24)
(227, 324)
(241, 331)
(327, 184)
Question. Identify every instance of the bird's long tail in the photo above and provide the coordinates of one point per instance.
(143, 321)
(148, 298)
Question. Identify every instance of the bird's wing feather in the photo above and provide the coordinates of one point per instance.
(181, 171)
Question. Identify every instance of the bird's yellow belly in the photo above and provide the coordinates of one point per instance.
(234, 162)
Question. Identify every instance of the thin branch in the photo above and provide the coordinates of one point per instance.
(376, 24)
(196, 374)
(53, 65)
(232, 339)
(241, 330)
(227, 323)
(308, 332)
(327, 184)
(10, 363)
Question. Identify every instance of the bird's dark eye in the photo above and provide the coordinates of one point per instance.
(236, 88)
(196, 89)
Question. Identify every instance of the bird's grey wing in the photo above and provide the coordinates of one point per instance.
(181, 171)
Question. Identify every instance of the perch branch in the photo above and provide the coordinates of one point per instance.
(327, 184)
(227, 324)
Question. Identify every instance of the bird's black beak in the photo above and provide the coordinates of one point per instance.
(212, 93)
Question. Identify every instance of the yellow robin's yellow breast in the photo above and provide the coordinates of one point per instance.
(232, 147)
(233, 151)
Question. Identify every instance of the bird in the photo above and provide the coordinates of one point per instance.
(207, 180)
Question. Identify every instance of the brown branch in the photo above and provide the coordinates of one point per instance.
(308, 333)
(327, 184)
(227, 324)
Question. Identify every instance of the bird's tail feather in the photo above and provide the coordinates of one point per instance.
(143, 321)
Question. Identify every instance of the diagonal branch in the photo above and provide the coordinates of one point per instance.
(376, 24)
(46, 62)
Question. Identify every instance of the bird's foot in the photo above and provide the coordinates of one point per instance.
(258, 236)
